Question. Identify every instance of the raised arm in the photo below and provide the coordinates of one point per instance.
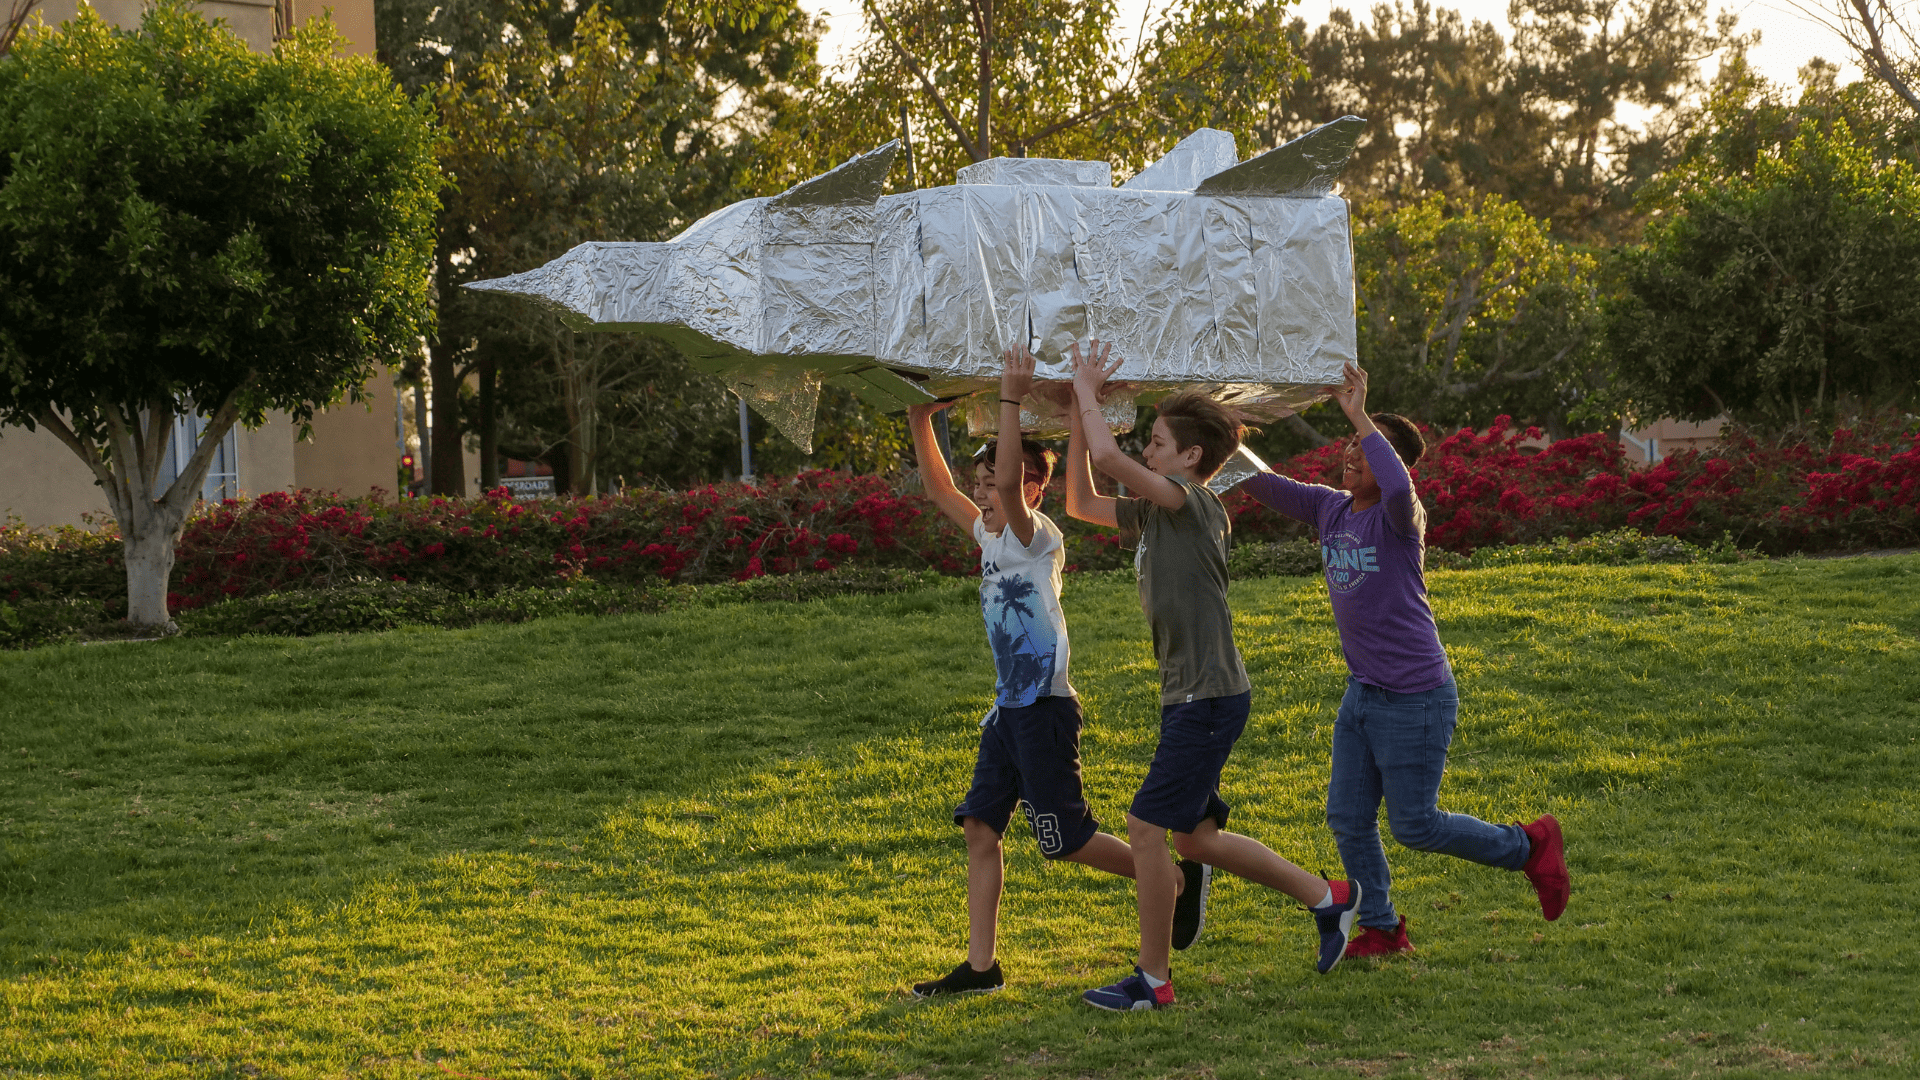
(1396, 484)
(1083, 500)
(1091, 371)
(935, 477)
(1010, 462)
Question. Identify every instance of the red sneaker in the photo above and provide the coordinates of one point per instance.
(1547, 866)
(1374, 941)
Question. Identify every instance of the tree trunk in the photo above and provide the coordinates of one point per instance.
(577, 394)
(489, 429)
(1312, 434)
(149, 552)
(449, 465)
(127, 468)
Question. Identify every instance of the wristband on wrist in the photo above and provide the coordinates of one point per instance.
(1008, 401)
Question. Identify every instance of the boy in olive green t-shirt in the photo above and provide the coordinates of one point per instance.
(1205, 697)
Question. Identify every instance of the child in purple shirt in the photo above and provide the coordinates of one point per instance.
(1396, 720)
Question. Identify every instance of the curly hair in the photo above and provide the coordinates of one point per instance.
(1403, 435)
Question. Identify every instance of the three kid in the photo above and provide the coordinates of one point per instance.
(1393, 728)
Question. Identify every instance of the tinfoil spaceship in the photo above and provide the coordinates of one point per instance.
(1202, 269)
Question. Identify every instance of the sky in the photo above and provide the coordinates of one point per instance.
(1788, 39)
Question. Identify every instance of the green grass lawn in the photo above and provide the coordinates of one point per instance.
(716, 842)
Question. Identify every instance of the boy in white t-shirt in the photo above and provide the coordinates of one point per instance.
(1030, 741)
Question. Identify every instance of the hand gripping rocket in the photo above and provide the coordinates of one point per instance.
(1203, 270)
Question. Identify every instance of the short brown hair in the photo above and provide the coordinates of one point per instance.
(1195, 419)
(1403, 435)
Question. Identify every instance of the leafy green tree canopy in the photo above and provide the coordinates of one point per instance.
(1040, 78)
(619, 120)
(187, 226)
(1781, 276)
(1468, 309)
(1534, 116)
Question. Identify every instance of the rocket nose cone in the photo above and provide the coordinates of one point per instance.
(535, 284)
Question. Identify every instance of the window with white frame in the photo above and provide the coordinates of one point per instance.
(223, 472)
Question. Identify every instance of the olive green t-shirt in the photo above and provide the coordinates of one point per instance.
(1181, 563)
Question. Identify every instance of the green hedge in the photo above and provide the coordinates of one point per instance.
(371, 604)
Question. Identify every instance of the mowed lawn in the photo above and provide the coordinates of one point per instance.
(717, 842)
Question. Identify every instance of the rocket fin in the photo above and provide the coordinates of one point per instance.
(882, 388)
(786, 396)
(1202, 154)
(1305, 168)
(856, 182)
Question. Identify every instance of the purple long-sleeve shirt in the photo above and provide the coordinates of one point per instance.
(1375, 565)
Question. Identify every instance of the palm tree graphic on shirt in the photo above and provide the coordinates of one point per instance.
(1025, 663)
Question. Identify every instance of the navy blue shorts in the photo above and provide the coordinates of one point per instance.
(1182, 788)
(1031, 755)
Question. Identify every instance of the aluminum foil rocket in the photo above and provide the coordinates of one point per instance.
(1202, 270)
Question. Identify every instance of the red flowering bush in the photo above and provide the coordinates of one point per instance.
(815, 521)
(1858, 488)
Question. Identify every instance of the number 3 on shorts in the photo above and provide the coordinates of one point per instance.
(1046, 829)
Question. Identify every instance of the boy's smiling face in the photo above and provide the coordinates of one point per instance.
(1355, 474)
(986, 496)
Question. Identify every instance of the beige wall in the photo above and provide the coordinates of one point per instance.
(352, 450)
(1669, 436)
(251, 19)
(43, 483)
(266, 455)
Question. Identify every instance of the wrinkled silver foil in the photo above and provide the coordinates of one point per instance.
(1242, 466)
(1202, 271)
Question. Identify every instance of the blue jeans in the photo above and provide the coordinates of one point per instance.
(1394, 746)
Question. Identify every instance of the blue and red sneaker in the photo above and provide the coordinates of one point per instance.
(1130, 993)
(1336, 922)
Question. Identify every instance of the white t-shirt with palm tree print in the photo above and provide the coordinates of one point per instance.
(1020, 599)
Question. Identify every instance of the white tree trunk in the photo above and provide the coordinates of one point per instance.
(149, 555)
(127, 466)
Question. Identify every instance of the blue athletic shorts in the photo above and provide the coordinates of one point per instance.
(1031, 755)
(1182, 787)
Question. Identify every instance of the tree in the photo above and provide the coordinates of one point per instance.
(1774, 285)
(1455, 108)
(189, 228)
(1884, 36)
(1468, 309)
(1445, 109)
(688, 86)
(1046, 78)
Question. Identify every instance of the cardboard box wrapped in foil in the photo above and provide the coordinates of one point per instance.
(1202, 270)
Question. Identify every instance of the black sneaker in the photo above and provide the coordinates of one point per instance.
(963, 980)
(1190, 910)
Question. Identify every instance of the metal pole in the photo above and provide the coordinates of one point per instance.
(746, 443)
